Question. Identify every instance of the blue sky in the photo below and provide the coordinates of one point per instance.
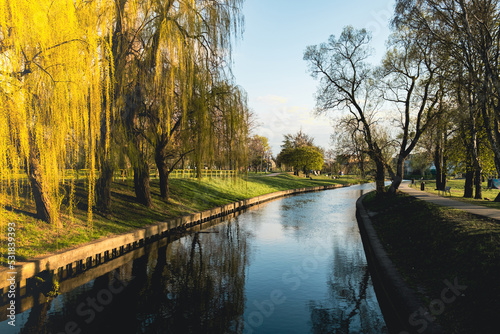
(269, 65)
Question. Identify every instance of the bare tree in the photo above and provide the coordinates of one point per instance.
(347, 83)
(408, 81)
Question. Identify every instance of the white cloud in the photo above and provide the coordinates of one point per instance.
(272, 99)
(278, 118)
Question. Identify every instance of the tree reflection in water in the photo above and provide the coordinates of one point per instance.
(351, 306)
(204, 283)
(192, 285)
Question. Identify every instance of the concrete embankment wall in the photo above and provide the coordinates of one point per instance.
(403, 311)
(87, 256)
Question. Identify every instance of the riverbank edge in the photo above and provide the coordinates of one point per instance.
(399, 304)
(84, 256)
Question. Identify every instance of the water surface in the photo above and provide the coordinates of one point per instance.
(293, 265)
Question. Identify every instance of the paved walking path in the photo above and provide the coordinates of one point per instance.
(454, 204)
(272, 174)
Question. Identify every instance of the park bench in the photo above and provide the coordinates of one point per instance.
(446, 190)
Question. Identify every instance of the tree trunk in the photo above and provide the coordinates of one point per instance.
(103, 188)
(163, 172)
(166, 187)
(477, 170)
(474, 150)
(398, 178)
(42, 198)
(439, 164)
(478, 183)
(134, 101)
(141, 184)
(380, 177)
(443, 172)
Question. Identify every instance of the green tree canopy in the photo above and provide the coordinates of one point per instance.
(299, 152)
(305, 158)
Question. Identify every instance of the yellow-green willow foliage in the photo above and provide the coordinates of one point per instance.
(229, 126)
(52, 86)
(176, 49)
(72, 70)
(194, 37)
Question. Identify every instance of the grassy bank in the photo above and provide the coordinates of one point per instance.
(34, 237)
(430, 244)
(457, 192)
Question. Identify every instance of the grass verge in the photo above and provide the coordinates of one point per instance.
(457, 192)
(35, 237)
(430, 244)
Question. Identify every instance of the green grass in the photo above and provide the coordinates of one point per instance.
(430, 244)
(35, 237)
(457, 192)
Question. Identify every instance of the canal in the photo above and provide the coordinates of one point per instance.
(293, 265)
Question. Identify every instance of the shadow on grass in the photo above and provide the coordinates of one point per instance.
(430, 244)
(22, 212)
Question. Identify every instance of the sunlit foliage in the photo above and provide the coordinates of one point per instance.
(52, 86)
(87, 82)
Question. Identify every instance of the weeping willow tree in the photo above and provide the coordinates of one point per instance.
(76, 74)
(211, 124)
(219, 126)
(229, 126)
(166, 56)
(52, 88)
(190, 69)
